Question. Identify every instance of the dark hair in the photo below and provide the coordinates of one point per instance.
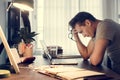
(80, 18)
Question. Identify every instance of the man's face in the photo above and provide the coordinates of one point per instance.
(87, 30)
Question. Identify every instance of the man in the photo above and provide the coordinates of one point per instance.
(105, 37)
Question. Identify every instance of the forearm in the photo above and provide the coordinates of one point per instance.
(83, 50)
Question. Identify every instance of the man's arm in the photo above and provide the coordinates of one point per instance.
(99, 51)
(95, 50)
(85, 51)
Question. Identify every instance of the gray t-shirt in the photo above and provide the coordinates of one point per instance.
(110, 30)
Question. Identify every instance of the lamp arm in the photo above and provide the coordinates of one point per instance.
(9, 6)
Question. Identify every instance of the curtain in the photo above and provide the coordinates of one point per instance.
(55, 24)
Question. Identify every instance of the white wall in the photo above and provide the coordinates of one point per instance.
(3, 24)
(110, 9)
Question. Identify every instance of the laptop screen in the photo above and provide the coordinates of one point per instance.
(45, 50)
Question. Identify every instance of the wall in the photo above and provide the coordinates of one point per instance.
(3, 24)
(110, 9)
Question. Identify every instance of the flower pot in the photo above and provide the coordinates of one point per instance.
(21, 48)
(25, 50)
(28, 51)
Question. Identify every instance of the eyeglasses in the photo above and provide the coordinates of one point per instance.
(70, 34)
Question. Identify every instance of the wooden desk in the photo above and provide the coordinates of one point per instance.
(28, 74)
(102, 68)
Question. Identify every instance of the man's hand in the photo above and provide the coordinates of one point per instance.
(75, 34)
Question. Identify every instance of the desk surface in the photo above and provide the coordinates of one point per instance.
(28, 74)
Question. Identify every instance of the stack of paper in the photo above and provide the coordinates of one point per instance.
(78, 74)
(68, 73)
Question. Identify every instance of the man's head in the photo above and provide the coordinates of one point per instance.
(83, 23)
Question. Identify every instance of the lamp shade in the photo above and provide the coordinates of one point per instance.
(24, 4)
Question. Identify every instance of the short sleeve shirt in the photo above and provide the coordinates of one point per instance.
(110, 30)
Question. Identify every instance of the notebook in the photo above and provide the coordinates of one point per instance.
(69, 60)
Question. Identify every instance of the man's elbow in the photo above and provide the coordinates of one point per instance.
(85, 57)
(95, 63)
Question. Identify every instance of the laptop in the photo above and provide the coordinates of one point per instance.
(60, 60)
(59, 56)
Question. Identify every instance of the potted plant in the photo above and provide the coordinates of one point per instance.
(24, 39)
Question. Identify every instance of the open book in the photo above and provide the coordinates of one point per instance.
(68, 73)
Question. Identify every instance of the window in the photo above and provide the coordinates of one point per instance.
(51, 19)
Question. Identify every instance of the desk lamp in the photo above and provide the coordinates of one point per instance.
(22, 4)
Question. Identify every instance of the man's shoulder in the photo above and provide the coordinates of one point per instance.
(108, 20)
(107, 23)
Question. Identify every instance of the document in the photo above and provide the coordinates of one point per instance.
(68, 73)
(78, 74)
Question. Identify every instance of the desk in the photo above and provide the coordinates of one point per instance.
(102, 68)
(29, 74)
